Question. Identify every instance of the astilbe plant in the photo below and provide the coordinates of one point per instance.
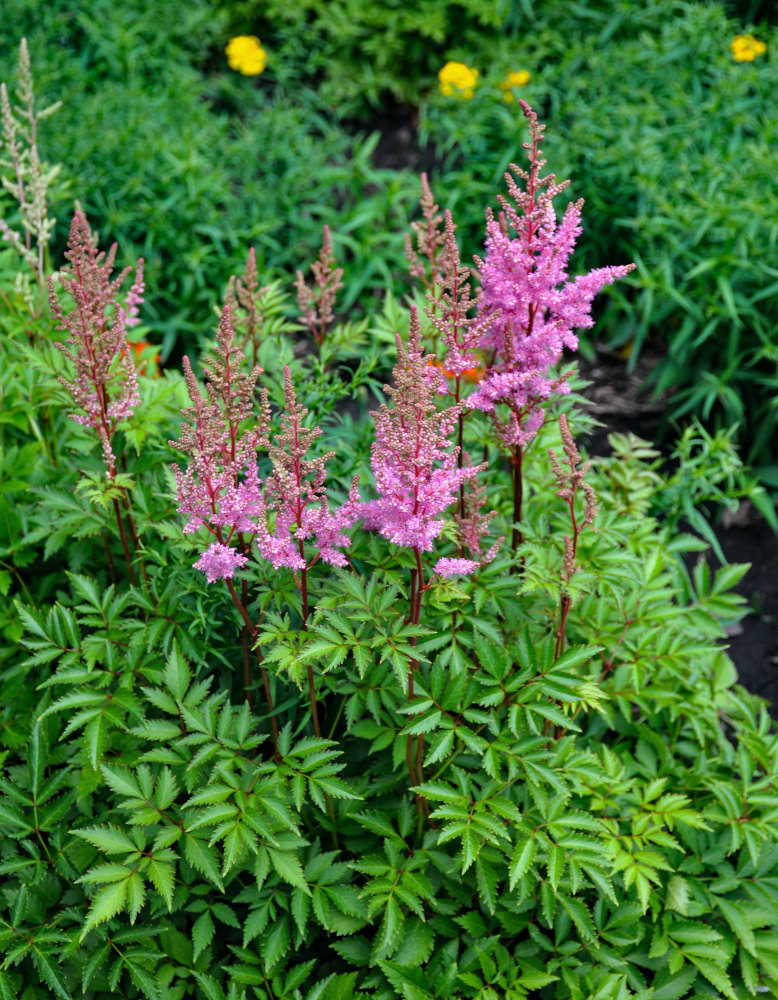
(417, 476)
(280, 519)
(104, 386)
(595, 797)
(27, 179)
(530, 304)
(317, 302)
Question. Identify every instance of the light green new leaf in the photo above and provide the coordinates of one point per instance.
(737, 919)
(136, 894)
(177, 675)
(108, 839)
(289, 868)
(106, 904)
(523, 857)
(7, 992)
(144, 980)
(202, 934)
(162, 876)
(95, 733)
(209, 986)
(203, 858)
(715, 975)
(678, 895)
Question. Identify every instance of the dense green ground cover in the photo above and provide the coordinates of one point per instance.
(234, 765)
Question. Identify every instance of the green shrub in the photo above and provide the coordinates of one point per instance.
(368, 780)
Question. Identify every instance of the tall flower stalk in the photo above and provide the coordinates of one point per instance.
(530, 304)
(570, 482)
(424, 259)
(296, 496)
(27, 179)
(280, 519)
(417, 474)
(104, 387)
(461, 333)
(317, 301)
(219, 489)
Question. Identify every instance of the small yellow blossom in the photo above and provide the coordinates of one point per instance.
(246, 55)
(457, 79)
(514, 79)
(745, 48)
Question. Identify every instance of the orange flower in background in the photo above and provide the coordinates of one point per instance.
(515, 78)
(745, 48)
(245, 55)
(470, 374)
(142, 363)
(457, 80)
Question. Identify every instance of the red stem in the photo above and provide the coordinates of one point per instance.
(125, 546)
(265, 680)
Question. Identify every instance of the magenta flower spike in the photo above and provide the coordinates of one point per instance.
(220, 488)
(530, 302)
(414, 465)
(297, 497)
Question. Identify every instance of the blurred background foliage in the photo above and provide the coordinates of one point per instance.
(669, 139)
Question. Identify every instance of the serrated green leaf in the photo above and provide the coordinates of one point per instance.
(106, 903)
(203, 930)
(523, 857)
(288, 867)
(107, 839)
(52, 975)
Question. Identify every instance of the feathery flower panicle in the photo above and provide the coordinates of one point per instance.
(28, 179)
(131, 308)
(317, 303)
(297, 497)
(461, 333)
(219, 562)
(423, 262)
(415, 468)
(242, 299)
(220, 488)
(448, 567)
(529, 302)
(474, 525)
(105, 388)
(568, 483)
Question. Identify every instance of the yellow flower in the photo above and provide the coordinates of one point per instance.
(457, 79)
(246, 55)
(745, 48)
(514, 79)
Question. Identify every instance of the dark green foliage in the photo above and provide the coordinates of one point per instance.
(596, 809)
(361, 54)
(601, 822)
